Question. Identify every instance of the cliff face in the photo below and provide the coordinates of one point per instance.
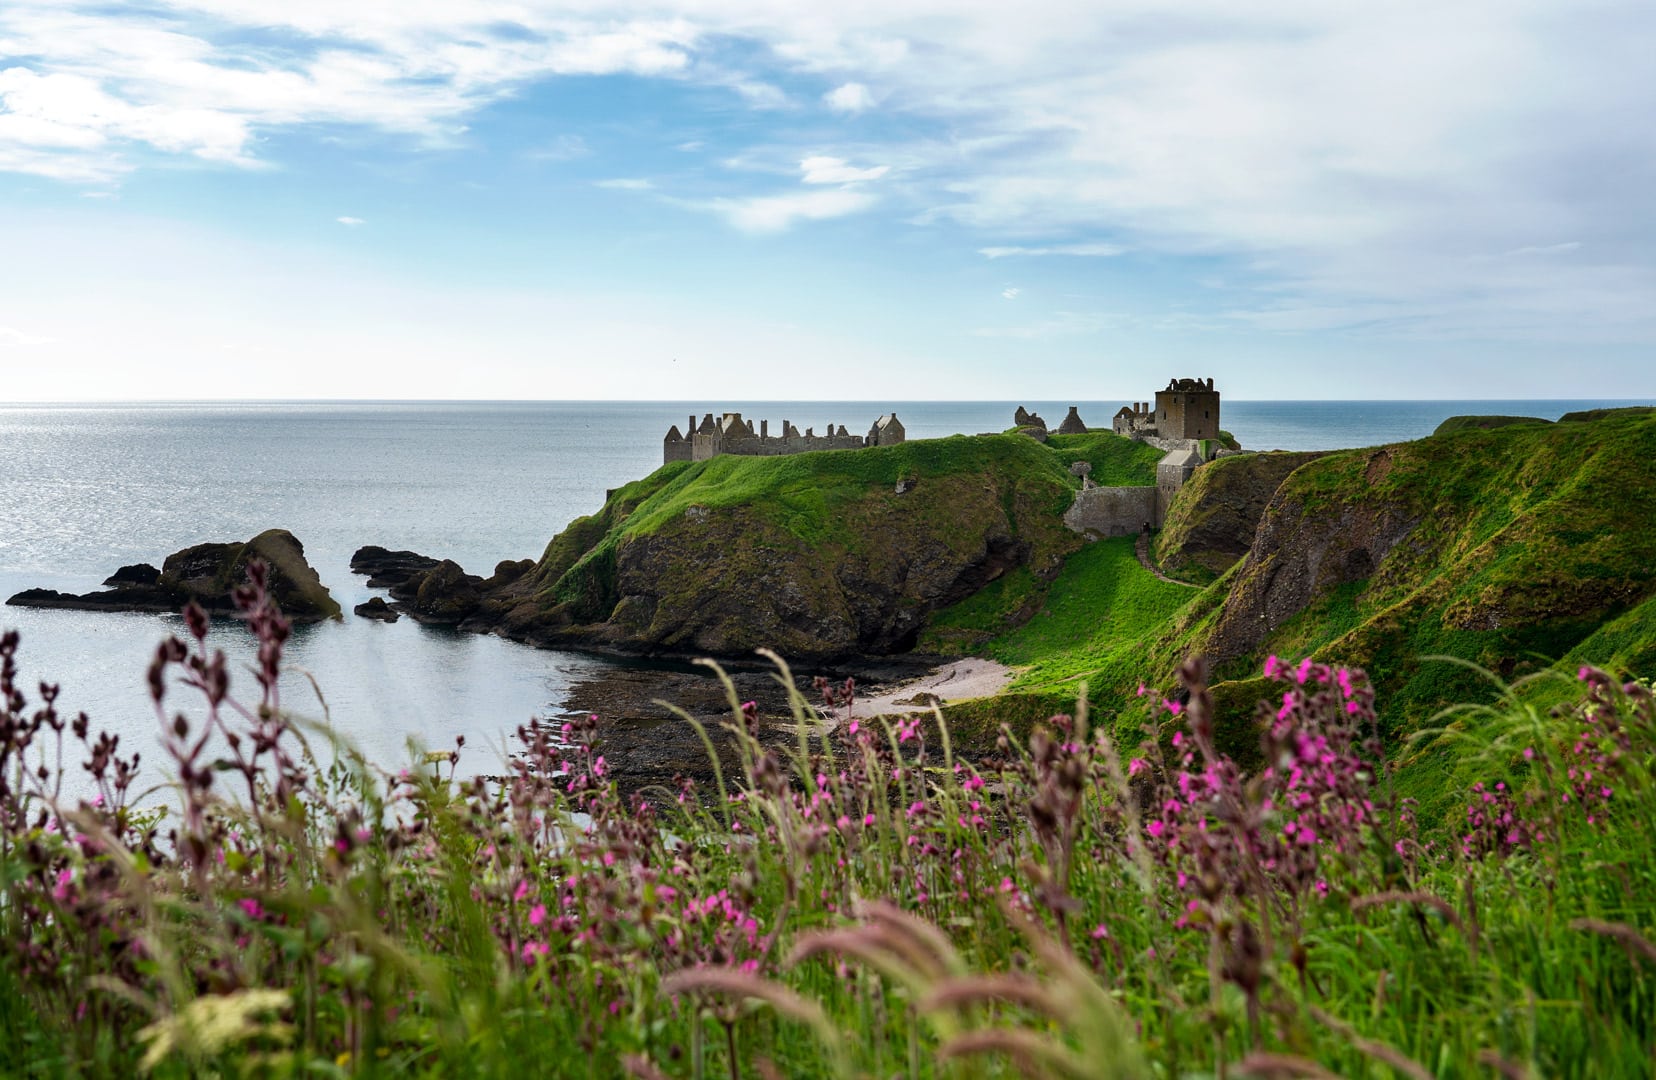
(1212, 522)
(1508, 547)
(817, 556)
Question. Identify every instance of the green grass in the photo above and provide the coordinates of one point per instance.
(865, 905)
(1090, 623)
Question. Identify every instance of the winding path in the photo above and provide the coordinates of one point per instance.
(1143, 550)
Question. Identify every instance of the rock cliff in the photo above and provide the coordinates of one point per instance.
(820, 556)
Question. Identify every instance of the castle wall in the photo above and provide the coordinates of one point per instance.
(1113, 511)
(703, 447)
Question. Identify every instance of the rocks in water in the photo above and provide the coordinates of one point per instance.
(434, 591)
(445, 595)
(136, 574)
(389, 569)
(376, 608)
(207, 574)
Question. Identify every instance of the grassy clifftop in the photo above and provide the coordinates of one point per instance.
(819, 554)
(1517, 548)
(1512, 547)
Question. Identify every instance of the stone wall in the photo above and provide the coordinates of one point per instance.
(1113, 511)
(708, 446)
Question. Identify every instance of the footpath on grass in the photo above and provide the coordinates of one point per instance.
(1142, 549)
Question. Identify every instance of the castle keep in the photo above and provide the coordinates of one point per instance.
(730, 434)
(1187, 409)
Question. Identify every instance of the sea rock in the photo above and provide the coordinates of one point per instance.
(207, 574)
(389, 569)
(376, 608)
(445, 595)
(136, 574)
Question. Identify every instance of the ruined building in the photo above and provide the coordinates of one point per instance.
(1187, 409)
(1183, 421)
(731, 434)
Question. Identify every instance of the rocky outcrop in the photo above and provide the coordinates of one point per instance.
(856, 574)
(206, 574)
(1212, 521)
(376, 608)
(389, 569)
(1302, 552)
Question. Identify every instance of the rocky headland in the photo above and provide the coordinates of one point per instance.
(206, 574)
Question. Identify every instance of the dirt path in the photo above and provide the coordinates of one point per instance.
(1143, 549)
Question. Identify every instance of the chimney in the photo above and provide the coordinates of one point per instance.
(764, 429)
(1210, 382)
(690, 426)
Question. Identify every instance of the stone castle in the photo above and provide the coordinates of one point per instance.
(730, 434)
(1183, 421)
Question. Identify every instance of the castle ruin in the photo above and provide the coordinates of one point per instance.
(1187, 410)
(730, 434)
(1183, 421)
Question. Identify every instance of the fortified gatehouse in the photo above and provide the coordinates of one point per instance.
(730, 434)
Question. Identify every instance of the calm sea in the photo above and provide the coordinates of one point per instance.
(87, 488)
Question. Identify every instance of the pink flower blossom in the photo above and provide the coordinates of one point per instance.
(537, 914)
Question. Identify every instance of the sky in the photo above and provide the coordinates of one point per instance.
(863, 199)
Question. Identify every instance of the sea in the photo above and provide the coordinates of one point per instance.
(86, 488)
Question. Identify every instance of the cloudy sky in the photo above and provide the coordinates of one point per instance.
(741, 199)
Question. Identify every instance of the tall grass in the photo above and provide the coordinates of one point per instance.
(860, 903)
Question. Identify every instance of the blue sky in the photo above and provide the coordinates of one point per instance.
(906, 199)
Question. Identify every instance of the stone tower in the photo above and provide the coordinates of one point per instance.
(1188, 409)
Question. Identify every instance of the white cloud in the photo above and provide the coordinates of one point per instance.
(10, 336)
(776, 213)
(832, 170)
(1095, 250)
(1353, 155)
(350, 222)
(625, 183)
(851, 97)
(562, 148)
(1010, 292)
(1545, 249)
(1060, 325)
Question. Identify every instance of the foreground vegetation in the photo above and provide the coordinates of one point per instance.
(867, 904)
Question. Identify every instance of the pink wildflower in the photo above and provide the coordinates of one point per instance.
(537, 914)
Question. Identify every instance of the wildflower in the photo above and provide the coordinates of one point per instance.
(532, 949)
(1136, 766)
(537, 915)
(250, 907)
(1172, 706)
(60, 891)
(1273, 666)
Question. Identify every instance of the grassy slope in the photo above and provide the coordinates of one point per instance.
(1533, 548)
(1534, 551)
(832, 504)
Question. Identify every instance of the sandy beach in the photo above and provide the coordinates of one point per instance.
(969, 678)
